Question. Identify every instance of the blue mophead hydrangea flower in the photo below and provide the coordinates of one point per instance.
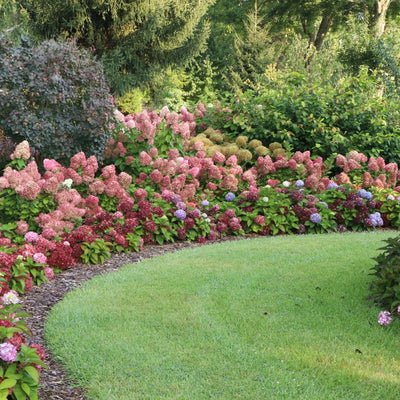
(365, 194)
(315, 218)
(299, 183)
(180, 214)
(332, 185)
(205, 203)
(376, 219)
(230, 196)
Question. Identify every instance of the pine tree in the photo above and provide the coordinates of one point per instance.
(136, 39)
(253, 51)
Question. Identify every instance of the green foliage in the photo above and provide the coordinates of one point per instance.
(305, 116)
(132, 101)
(275, 206)
(136, 40)
(167, 89)
(253, 52)
(391, 208)
(379, 55)
(22, 269)
(52, 94)
(96, 252)
(385, 288)
(14, 208)
(13, 19)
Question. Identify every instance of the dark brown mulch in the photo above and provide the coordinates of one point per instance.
(54, 382)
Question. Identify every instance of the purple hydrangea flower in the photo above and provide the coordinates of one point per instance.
(332, 185)
(299, 183)
(384, 318)
(205, 203)
(365, 194)
(376, 219)
(8, 352)
(180, 214)
(230, 196)
(176, 198)
(315, 218)
(362, 193)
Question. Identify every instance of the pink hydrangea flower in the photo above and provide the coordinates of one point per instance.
(21, 151)
(145, 159)
(22, 228)
(118, 215)
(173, 154)
(40, 258)
(140, 194)
(48, 233)
(31, 236)
(384, 318)
(118, 115)
(153, 152)
(218, 157)
(29, 191)
(259, 220)
(51, 165)
(130, 124)
(48, 273)
(8, 352)
(194, 171)
(108, 171)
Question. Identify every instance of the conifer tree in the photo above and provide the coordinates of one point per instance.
(253, 51)
(136, 39)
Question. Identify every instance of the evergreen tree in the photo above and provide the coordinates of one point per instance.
(136, 39)
(13, 19)
(254, 50)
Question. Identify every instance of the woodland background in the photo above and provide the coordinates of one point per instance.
(181, 52)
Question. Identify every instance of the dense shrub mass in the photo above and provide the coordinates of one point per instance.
(55, 96)
(325, 120)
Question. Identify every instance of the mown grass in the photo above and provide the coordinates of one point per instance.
(269, 318)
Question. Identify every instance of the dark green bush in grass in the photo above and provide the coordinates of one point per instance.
(385, 288)
(325, 120)
(54, 96)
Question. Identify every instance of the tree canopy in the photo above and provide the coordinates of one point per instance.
(135, 38)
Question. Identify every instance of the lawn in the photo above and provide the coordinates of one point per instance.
(281, 317)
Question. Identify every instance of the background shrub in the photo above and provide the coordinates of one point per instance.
(327, 120)
(55, 96)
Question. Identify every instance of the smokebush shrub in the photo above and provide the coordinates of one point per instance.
(7, 146)
(54, 96)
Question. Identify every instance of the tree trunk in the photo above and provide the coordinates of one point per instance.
(322, 31)
(379, 17)
(317, 40)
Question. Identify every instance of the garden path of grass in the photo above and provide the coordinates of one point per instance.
(269, 318)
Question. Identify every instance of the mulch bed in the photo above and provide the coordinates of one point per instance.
(54, 382)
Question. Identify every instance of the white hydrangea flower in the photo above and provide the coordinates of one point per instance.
(68, 183)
